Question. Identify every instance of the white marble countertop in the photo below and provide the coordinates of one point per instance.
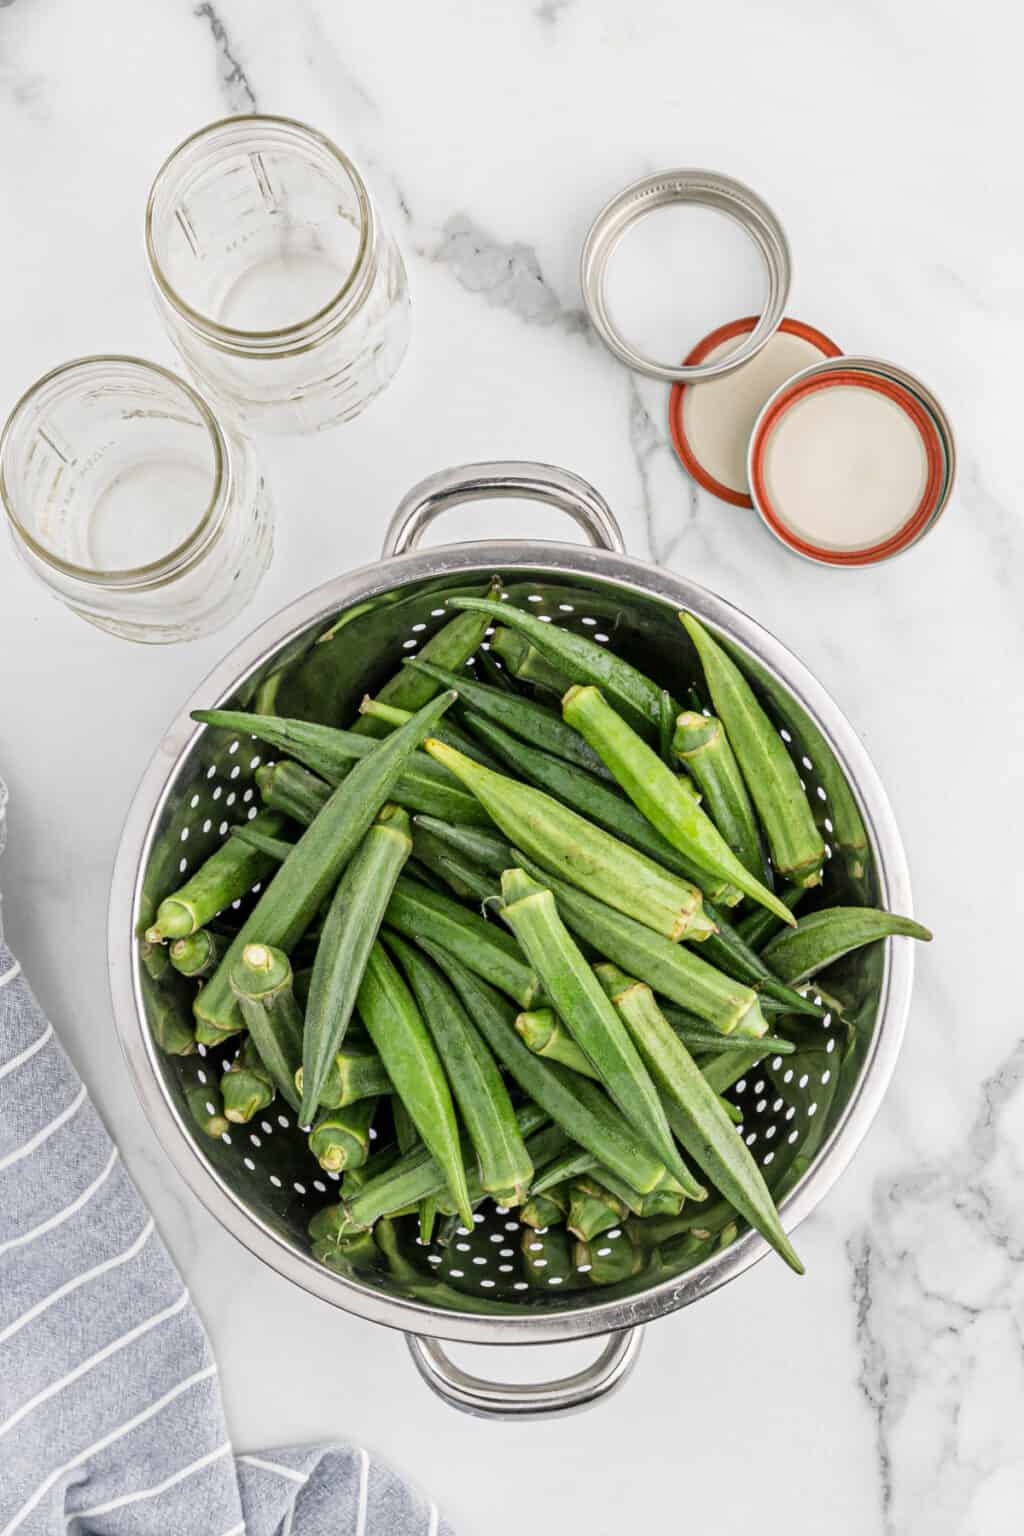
(884, 1393)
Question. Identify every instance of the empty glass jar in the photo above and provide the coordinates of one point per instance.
(277, 281)
(131, 502)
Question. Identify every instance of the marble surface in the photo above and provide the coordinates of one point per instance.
(884, 1393)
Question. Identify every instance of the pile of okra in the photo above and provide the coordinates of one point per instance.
(541, 918)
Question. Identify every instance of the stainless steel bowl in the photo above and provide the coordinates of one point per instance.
(805, 1115)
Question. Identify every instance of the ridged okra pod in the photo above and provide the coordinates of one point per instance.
(530, 911)
(228, 874)
(349, 931)
(575, 849)
(794, 841)
(287, 906)
(656, 791)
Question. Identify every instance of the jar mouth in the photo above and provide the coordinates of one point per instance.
(235, 132)
(180, 556)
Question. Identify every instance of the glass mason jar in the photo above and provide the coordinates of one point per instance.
(275, 278)
(131, 502)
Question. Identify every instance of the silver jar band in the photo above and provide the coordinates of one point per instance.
(706, 189)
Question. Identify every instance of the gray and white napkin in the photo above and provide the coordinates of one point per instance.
(111, 1421)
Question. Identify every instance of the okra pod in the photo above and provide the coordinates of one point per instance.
(414, 1177)
(347, 1255)
(759, 926)
(547, 1259)
(584, 661)
(531, 913)
(669, 968)
(451, 646)
(796, 846)
(547, 1210)
(377, 1163)
(700, 1122)
(700, 1039)
(526, 663)
(487, 849)
(656, 791)
(287, 906)
(332, 755)
(734, 956)
(352, 1075)
(580, 1107)
(228, 874)
(823, 937)
(535, 723)
(482, 1098)
(575, 849)
(434, 859)
(592, 1209)
(448, 732)
(543, 1033)
(350, 929)
(261, 980)
(608, 1261)
(341, 1137)
(417, 913)
(247, 1086)
(168, 1008)
(599, 802)
(207, 1109)
(396, 1027)
(198, 954)
(700, 742)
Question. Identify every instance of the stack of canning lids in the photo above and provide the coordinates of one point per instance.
(847, 460)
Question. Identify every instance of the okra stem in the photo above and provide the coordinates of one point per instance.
(542, 1032)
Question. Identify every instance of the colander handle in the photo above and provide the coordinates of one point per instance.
(486, 482)
(516, 1400)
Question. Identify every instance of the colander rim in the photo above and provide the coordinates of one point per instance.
(307, 613)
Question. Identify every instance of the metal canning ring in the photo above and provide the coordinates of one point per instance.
(706, 189)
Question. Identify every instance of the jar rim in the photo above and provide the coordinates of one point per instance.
(175, 560)
(296, 330)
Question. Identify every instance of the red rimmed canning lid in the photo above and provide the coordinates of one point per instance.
(711, 423)
(847, 466)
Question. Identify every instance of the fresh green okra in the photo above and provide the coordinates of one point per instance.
(608, 1261)
(547, 1210)
(534, 723)
(575, 849)
(350, 929)
(593, 1209)
(391, 715)
(669, 968)
(246, 1087)
(353, 1074)
(545, 1035)
(656, 791)
(482, 1098)
(207, 1109)
(525, 662)
(396, 1027)
(418, 914)
(699, 1121)
(341, 1138)
(584, 661)
(700, 742)
(287, 906)
(227, 875)
(598, 802)
(823, 937)
(198, 954)
(580, 1107)
(531, 913)
(261, 981)
(794, 841)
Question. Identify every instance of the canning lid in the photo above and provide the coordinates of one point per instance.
(711, 423)
(705, 189)
(851, 461)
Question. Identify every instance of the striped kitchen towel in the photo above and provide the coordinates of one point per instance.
(110, 1413)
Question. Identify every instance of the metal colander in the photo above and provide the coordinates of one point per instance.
(803, 1115)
